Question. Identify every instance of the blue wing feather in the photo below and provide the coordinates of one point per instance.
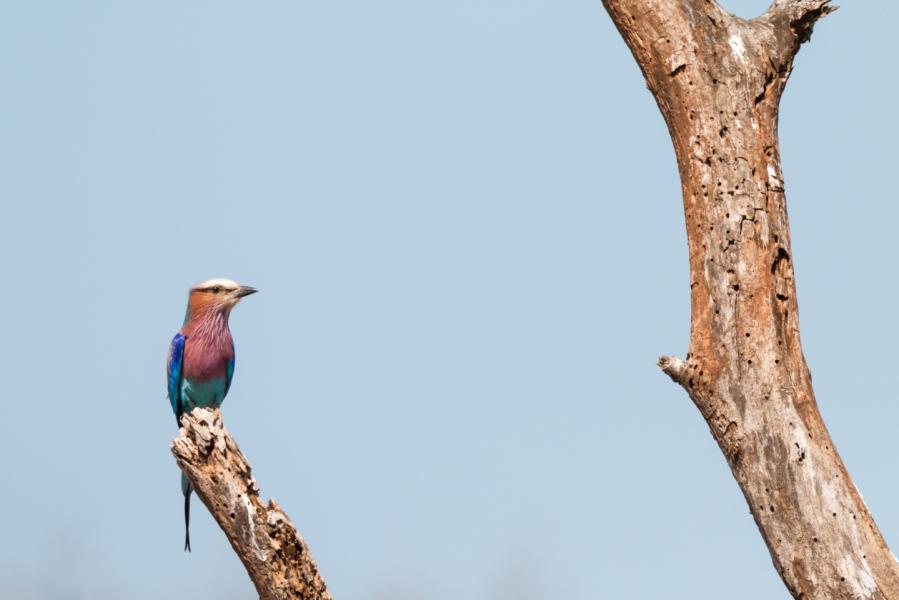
(173, 371)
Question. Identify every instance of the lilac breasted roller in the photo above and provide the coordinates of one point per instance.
(200, 363)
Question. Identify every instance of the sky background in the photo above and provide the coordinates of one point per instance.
(465, 221)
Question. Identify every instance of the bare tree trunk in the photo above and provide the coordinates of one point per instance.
(718, 80)
(275, 556)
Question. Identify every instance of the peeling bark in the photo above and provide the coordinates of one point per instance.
(275, 556)
(718, 80)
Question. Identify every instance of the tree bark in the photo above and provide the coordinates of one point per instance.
(718, 80)
(275, 556)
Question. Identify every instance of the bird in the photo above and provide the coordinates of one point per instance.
(200, 362)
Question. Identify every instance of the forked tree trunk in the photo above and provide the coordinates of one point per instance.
(718, 80)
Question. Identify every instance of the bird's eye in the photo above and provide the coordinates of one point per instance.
(216, 289)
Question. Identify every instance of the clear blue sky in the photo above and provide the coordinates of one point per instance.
(465, 222)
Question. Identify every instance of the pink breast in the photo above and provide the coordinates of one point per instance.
(207, 357)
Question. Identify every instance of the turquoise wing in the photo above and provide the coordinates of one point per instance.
(175, 375)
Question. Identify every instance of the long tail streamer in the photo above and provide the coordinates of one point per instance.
(187, 520)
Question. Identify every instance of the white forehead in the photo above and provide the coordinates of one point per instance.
(225, 283)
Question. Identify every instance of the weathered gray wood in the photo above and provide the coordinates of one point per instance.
(718, 80)
(275, 556)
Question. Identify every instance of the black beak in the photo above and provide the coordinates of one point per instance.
(245, 290)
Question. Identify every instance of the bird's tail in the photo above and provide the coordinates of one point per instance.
(186, 489)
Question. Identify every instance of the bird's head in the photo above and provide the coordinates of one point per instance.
(215, 295)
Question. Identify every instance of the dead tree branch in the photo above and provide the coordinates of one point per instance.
(718, 80)
(275, 556)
